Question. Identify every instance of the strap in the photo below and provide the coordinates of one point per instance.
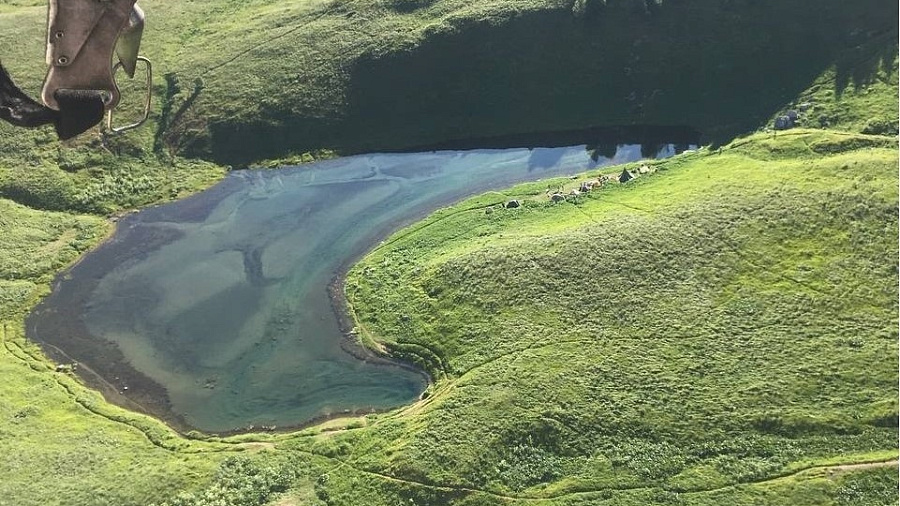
(18, 108)
(79, 110)
(69, 24)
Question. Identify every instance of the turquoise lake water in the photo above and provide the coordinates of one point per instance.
(220, 302)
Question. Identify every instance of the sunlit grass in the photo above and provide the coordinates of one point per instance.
(696, 336)
(727, 313)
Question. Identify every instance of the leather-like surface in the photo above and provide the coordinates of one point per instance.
(79, 110)
(18, 108)
(91, 67)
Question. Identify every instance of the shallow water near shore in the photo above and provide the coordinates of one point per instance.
(214, 312)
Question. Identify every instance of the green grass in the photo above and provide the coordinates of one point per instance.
(698, 336)
(713, 333)
(35, 246)
(708, 325)
(278, 79)
(60, 442)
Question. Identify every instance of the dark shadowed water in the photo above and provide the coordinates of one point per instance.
(214, 312)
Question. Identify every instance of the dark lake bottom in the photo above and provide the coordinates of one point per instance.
(213, 313)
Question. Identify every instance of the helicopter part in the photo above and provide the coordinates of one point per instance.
(146, 114)
(18, 108)
(82, 36)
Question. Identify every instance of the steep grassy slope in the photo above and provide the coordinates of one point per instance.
(721, 321)
(264, 79)
(699, 336)
(241, 81)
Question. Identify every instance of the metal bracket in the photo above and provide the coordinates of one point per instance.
(109, 114)
(82, 36)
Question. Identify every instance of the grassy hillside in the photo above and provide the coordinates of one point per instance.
(721, 331)
(238, 82)
(724, 320)
(265, 79)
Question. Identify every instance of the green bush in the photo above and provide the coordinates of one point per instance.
(880, 126)
(241, 481)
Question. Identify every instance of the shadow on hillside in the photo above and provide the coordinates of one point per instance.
(721, 67)
(860, 65)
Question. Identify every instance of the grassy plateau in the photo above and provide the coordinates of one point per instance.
(723, 329)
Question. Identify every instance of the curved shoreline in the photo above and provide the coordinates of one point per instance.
(101, 365)
(66, 336)
(144, 395)
(150, 398)
(352, 344)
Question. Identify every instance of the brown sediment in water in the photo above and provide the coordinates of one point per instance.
(60, 322)
(65, 338)
(57, 325)
(100, 364)
(351, 344)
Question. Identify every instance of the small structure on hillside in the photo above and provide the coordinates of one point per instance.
(625, 176)
(785, 122)
(66, 368)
